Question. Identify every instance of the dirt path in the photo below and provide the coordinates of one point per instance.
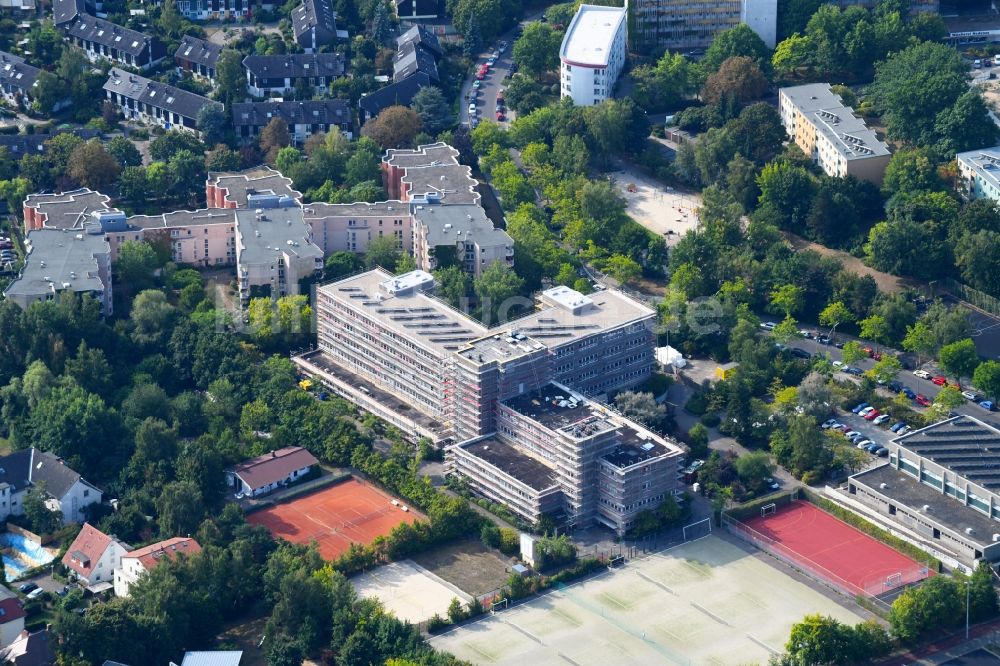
(888, 283)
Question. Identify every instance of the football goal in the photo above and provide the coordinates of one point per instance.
(893, 580)
(768, 510)
(498, 605)
(697, 529)
(616, 561)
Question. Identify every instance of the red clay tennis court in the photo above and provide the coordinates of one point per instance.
(335, 517)
(833, 550)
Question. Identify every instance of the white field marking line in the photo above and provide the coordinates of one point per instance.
(763, 644)
(656, 583)
(709, 613)
(523, 631)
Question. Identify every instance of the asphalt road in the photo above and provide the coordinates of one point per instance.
(486, 96)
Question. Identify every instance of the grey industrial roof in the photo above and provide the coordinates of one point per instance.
(57, 257)
(847, 133)
(414, 314)
(310, 112)
(447, 225)
(198, 51)
(277, 231)
(318, 13)
(214, 658)
(509, 460)
(448, 183)
(558, 408)
(499, 348)
(295, 65)
(634, 448)
(986, 162)
(110, 34)
(256, 180)
(412, 58)
(964, 445)
(184, 218)
(68, 210)
(16, 73)
(398, 93)
(944, 510)
(427, 154)
(555, 324)
(359, 209)
(418, 34)
(153, 93)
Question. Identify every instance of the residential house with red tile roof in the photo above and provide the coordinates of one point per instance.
(138, 562)
(94, 556)
(261, 475)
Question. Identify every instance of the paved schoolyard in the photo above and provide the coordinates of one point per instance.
(705, 602)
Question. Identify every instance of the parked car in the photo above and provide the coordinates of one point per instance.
(472, 109)
(500, 115)
(863, 405)
(977, 63)
(908, 392)
(35, 593)
(895, 386)
(873, 447)
(922, 400)
(971, 395)
(27, 587)
(865, 411)
(854, 371)
(839, 364)
(823, 340)
(923, 374)
(772, 484)
(806, 334)
(987, 405)
(800, 353)
(862, 443)
(838, 345)
(940, 380)
(897, 427)
(882, 452)
(476, 84)
(828, 424)
(851, 433)
(880, 419)
(768, 325)
(871, 416)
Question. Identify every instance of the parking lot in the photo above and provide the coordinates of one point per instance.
(484, 95)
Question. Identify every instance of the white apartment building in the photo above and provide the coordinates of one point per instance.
(143, 560)
(655, 25)
(980, 171)
(592, 54)
(826, 130)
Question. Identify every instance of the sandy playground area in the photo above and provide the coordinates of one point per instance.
(409, 591)
(662, 210)
(705, 602)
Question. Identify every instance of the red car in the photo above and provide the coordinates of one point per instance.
(870, 416)
(869, 351)
(922, 400)
(480, 75)
(499, 115)
(940, 380)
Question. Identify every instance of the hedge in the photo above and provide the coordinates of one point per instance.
(873, 530)
(751, 508)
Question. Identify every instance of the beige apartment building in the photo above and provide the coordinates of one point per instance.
(827, 131)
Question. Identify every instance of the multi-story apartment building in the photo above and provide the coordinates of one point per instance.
(980, 171)
(459, 234)
(247, 188)
(198, 57)
(390, 334)
(66, 210)
(274, 252)
(314, 24)
(278, 75)
(941, 488)
(429, 173)
(103, 40)
(558, 453)
(203, 238)
(592, 54)
(351, 227)
(827, 131)
(139, 98)
(201, 10)
(59, 260)
(303, 118)
(657, 25)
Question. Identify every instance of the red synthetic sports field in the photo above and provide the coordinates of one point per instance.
(807, 535)
(335, 517)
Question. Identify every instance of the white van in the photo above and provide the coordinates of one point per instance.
(996, 59)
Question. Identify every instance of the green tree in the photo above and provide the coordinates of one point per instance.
(921, 611)
(835, 314)
(125, 152)
(230, 78)
(434, 111)
(965, 125)
(136, 264)
(213, 123)
(853, 352)
(754, 469)
(393, 127)
(886, 369)
(910, 171)
(499, 291)
(472, 44)
(274, 137)
(959, 359)
(537, 50)
(787, 329)
(381, 23)
(986, 378)
(623, 269)
(382, 251)
(170, 19)
(792, 56)
(41, 519)
(698, 440)
(340, 264)
(788, 299)
(92, 166)
(180, 509)
(665, 84)
(738, 81)
(738, 41)
(982, 595)
(818, 640)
